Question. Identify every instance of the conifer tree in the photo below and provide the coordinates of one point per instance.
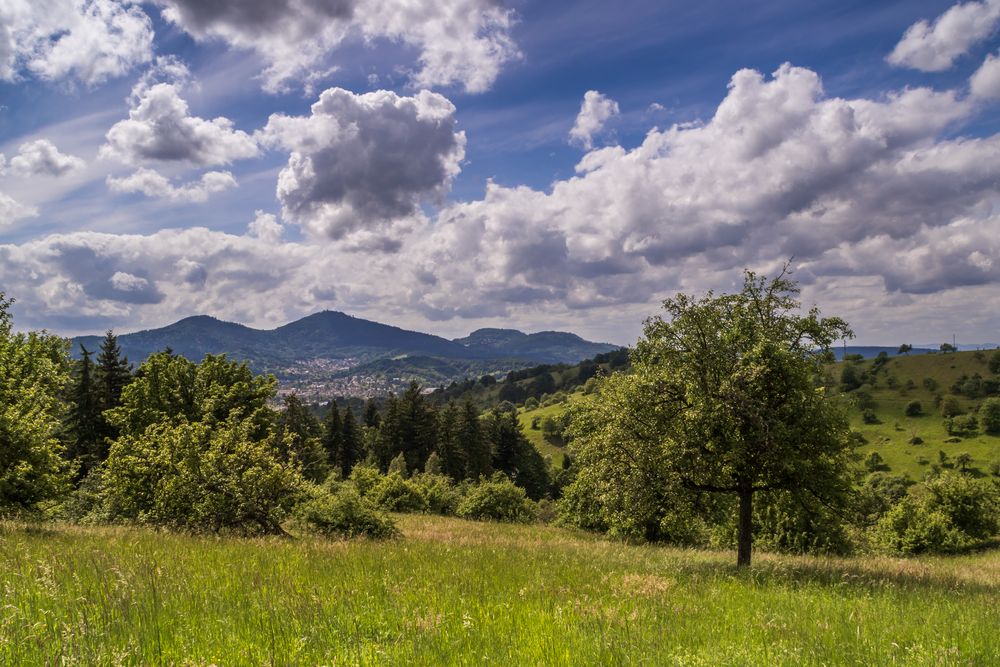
(112, 374)
(451, 455)
(333, 434)
(372, 417)
(299, 438)
(471, 440)
(87, 446)
(351, 443)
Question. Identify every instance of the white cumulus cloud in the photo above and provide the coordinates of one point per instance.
(154, 184)
(42, 158)
(463, 42)
(360, 162)
(595, 111)
(934, 47)
(161, 128)
(87, 40)
(985, 83)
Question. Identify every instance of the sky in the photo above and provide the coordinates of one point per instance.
(446, 165)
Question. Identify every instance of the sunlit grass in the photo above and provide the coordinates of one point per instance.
(456, 592)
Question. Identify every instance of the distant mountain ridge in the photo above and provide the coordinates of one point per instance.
(349, 341)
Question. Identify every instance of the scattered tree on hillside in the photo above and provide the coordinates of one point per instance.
(989, 416)
(947, 348)
(905, 348)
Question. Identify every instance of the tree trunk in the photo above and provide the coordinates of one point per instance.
(745, 536)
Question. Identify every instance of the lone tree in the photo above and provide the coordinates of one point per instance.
(724, 398)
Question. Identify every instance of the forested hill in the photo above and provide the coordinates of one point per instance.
(328, 345)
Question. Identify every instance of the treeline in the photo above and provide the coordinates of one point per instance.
(197, 446)
(535, 383)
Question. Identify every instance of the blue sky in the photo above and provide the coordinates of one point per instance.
(416, 162)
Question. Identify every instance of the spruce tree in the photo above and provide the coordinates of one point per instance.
(418, 427)
(333, 434)
(300, 438)
(351, 444)
(112, 374)
(372, 417)
(471, 440)
(449, 451)
(86, 445)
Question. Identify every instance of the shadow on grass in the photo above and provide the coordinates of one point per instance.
(861, 572)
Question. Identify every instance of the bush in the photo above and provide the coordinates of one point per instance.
(439, 493)
(201, 478)
(498, 499)
(869, 417)
(930, 384)
(365, 478)
(989, 415)
(914, 409)
(874, 462)
(950, 407)
(956, 512)
(994, 363)
(396, 494)
(531, 403)
(344, 513)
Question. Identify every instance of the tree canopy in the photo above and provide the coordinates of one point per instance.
(723, 398)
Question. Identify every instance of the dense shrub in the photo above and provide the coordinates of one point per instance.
(395, 494)
(365, 478)
(498, 499)
(989, 415)
(954, 512)
(343, 513)
(914, 409)
(439, 492)
(200, 478)
(798, 524)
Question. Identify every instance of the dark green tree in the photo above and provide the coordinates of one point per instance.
(112, 374)
(472, 441)
(87, 445)
(372, 417)
(514, 455)
(299, 437)
(451, 454)
(333, 434)
(352, 450)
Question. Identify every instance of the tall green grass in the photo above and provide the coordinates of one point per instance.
(456, 592)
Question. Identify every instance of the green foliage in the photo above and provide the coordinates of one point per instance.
(874, 462)
(787, 523)
(989, 416)
(299, 439)
(34, 371)
(869, 417)
(513, 454)
(365, 478)
(994, 363)
(397, 494)
(171, 389)
(914, 409)
(498, 499)
(951, 407)
(954, 512)
(344, 513)
(722, 399)
(200, 477)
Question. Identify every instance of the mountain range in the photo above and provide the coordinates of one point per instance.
(336, 345)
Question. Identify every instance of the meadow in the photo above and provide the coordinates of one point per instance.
(458, 592)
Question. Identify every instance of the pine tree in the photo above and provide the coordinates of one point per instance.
(388, 441)
(300, 438)
(333, 434)
(418, 427)
(112, 374)
(85, 424)
(351, 445)
(449, 450)
(471, 440)
(372, 417)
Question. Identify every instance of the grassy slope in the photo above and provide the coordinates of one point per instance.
(535, 435)
(890, 438)
(455, 592)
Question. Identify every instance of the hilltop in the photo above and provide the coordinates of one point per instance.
(335, 352)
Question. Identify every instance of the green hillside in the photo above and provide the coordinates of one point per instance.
(887, 388)
(929, 379)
